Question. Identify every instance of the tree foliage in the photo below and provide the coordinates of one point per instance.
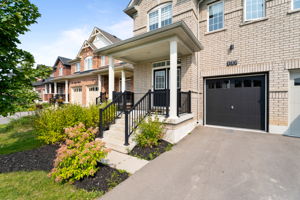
(16, 65)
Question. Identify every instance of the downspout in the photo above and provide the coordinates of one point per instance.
(197, 59)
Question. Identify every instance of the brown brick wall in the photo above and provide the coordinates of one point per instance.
(66, 70)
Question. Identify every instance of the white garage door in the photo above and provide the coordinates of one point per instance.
(76, 95)
(92, 94)
(294, 129)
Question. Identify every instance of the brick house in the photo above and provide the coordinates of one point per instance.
(84, 77)
(216, 63)
(239, 59)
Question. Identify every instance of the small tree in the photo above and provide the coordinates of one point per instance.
(16, 65)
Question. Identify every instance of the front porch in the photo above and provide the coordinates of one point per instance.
(161, 81)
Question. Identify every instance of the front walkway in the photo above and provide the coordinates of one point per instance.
(219, 164)
(6, 120)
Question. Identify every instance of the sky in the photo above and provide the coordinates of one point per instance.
(65, 24)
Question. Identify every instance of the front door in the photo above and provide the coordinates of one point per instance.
(294, 129)
(161, 85)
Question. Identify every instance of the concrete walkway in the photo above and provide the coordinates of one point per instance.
(6, 120)
(124, 162)
(212, 164)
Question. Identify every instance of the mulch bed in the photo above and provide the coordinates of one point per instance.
(35, 159)
(105, 179)
(42, 159)
(150, 153)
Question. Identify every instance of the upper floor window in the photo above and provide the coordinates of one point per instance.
(103, 58)
(60, 71)
(296, 4)
(254, 9)
(160, 16)
(88, 63)
(216, 16)
(77, 67)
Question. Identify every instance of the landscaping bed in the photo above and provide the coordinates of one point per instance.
(41, 159)
(150, 153)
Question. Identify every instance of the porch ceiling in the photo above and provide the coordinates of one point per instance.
(154, 44)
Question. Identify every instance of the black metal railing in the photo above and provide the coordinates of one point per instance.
(101, 99)
(110, 113)
(183, 102)
(136, 114)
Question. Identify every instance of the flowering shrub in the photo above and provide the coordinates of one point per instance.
(78, 156)
(151, 131)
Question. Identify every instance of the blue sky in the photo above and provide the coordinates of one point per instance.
(65, 24)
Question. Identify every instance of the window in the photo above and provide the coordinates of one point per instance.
(160, 80)
(238, 83)
(103, 58)
(257, 83)
(77, 89)
(216, 16)
(93, 89)
(77, 67)
(297, 82)
(88, 63)
(296, 4)
(160, 16)
(60, 71)
(254, 9)
(247, 83)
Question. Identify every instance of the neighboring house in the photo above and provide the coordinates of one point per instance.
(240, 59)
(84, 77)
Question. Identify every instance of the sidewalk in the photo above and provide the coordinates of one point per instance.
(6, 120)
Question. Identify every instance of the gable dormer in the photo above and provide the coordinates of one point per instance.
(61, 67)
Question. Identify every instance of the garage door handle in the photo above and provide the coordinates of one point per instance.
(231, 107)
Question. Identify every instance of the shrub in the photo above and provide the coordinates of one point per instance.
(78, 157)
(51, 122)
(150, 132)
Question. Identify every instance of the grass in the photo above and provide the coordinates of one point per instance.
(17, 136)
(36, 185)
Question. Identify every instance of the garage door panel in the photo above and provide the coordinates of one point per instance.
(241, 104)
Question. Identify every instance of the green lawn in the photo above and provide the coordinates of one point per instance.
(36, 185)
(17, 136)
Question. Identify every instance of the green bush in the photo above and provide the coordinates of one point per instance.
(150, 132)
(51, 122)
(78, 157)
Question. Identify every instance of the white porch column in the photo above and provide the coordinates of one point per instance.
(173, 78)
(50, 88)
(111, 77)
(99, 83)
(46, 90)
(67, 91)
(123, 81)
(55, 88)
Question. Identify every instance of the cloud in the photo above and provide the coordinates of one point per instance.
(67, 44)
(122, 29)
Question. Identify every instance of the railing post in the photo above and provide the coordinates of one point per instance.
(149, 105)
(101, 123)
(124, 101)
(126, 129)
(178, 102)
(167, 102)
(190, 102)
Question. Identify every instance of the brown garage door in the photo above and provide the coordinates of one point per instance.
(236, 102)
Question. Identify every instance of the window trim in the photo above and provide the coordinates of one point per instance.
(76, 67)
(209, 5)
(85, 64)
(255, 19)
(293, 8)
(60, 72)
(103, 62)
(158, 8)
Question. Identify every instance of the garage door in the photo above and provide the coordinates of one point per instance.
(236, 102)
(76, 95)
(294, 128)
(92, 94)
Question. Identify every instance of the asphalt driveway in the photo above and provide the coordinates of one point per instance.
(215, 164)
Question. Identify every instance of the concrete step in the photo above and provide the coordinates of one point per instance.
(118, 145)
